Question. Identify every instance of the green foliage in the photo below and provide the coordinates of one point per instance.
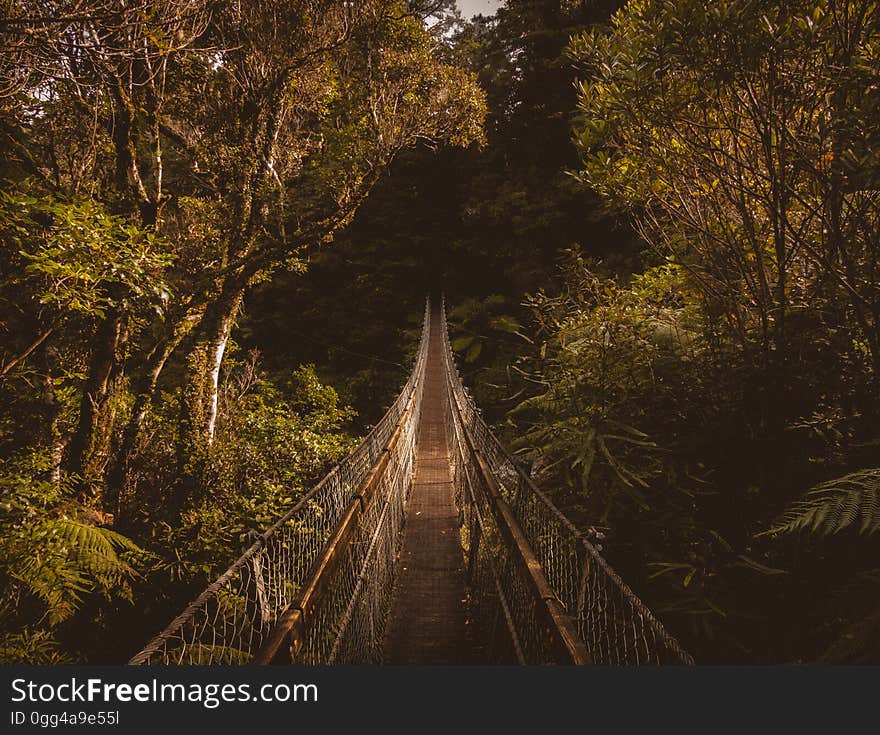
(637, 417)
(274, 439)
(33, 648)
(680, 399)
(83, 260)
(137, 212)
(52, 555)
(848, 502)
(60, 559)
(610, 354)
(690, 115)
(272, 443)
(486, 335)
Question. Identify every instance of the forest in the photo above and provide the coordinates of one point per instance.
(655, 224)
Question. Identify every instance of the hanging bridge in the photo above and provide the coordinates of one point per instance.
(427, 544)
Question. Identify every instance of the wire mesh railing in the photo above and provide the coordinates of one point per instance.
(240, 614)
(531, 572)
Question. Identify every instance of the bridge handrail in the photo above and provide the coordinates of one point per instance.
(368, 449)
(546, 536)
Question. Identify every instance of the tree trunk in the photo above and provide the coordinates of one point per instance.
(54, 436)
(95, 392)
(198, 419)
(144, 390)
(215, 344)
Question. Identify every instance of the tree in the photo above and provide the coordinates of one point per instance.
(739, 139)
(325, 95)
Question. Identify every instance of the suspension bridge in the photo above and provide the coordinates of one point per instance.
(427, 544)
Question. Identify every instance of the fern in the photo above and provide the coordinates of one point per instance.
(32, 647)
(66, 559)
(834, 506)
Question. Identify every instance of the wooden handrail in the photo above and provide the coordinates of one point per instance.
(290, 627)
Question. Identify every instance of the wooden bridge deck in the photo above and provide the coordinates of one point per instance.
(427, 620)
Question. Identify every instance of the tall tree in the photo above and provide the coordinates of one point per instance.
(742, 155)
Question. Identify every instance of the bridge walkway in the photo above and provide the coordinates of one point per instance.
(427, 619)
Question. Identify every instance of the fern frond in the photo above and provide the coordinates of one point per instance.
(67, 558)
(834, 506)
(96, 551)
(32, 647)
(55, 580)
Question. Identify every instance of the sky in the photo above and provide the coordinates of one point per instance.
(470, 8)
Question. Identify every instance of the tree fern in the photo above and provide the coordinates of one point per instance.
(834, 506)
